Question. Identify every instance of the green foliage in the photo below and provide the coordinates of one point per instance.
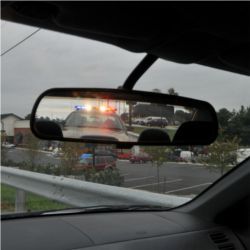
(171, 91)
(3, 149)
(222, 154)
(48, 168)
(3, 155)
(223, 117)
(33, 145)
(156, 90)
(182, 116)
(71, 152)
(235, 123)
(27, 117)
(158, 154)
(33, 202)
(107, 176)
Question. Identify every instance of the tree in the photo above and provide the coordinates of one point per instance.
(27, 117)
(107, 176)
(3, 149)
(222, 154)
(32, 151)
(156, 90)
(143, 110)
(171, 91)
(71, 153)
(235, 123)
(158, 154)
(182, 116)
(224, 116)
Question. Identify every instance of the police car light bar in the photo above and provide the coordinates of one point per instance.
(107, 109)
(83, 107)
(89, 108)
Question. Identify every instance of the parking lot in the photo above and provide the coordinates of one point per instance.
(182, 179)
(175, 178)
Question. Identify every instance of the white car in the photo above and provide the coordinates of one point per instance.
(8, 145)
(187, 155)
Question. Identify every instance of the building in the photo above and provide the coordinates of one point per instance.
(8, 124)
(21, 130)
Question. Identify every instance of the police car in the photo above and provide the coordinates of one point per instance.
(95, 123)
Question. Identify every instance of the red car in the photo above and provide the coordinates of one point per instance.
(101, 162)
(140, 158)
(124, 156)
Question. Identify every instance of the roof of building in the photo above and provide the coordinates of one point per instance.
(3, 116)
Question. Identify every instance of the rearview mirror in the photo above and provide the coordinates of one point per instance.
(121, 117)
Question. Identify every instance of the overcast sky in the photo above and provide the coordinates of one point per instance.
(49, 59)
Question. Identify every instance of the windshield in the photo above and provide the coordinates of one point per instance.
(100, 175)
(94, 120)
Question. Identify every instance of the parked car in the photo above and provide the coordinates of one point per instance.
(174, 155)
(124, 156)
(140, 158)
(101, 162)
(8, 145)
(187, 156)
(136, 120)
(157, 122)
(140, 121)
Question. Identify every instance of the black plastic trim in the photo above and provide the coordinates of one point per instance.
(122, 94)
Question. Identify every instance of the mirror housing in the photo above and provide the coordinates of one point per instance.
(121, 117)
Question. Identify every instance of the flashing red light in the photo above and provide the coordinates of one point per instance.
(107, 109)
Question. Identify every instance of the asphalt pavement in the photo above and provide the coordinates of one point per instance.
(174, 178)
(22, 154)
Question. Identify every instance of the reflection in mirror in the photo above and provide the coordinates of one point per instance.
(110, 119)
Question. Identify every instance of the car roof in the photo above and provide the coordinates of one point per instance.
(214, 34)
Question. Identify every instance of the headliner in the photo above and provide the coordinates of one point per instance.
(211, 33)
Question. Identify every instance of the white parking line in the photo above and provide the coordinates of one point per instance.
(156, 183)
(180, 189)
(140, 178)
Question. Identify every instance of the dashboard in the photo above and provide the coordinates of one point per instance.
(117, 230)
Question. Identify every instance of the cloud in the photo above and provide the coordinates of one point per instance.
(50, 59)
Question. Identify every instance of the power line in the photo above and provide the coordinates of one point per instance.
(11, 48)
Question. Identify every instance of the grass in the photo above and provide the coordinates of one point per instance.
(171, 132)
(33, 202)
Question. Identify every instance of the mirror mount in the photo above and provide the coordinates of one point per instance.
(139, 70)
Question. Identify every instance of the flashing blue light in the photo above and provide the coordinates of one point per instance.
(80, 107)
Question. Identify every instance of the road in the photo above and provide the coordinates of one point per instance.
(175, 178)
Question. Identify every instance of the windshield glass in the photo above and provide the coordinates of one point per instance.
(167, 176)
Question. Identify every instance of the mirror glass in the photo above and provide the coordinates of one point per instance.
(101, 118)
